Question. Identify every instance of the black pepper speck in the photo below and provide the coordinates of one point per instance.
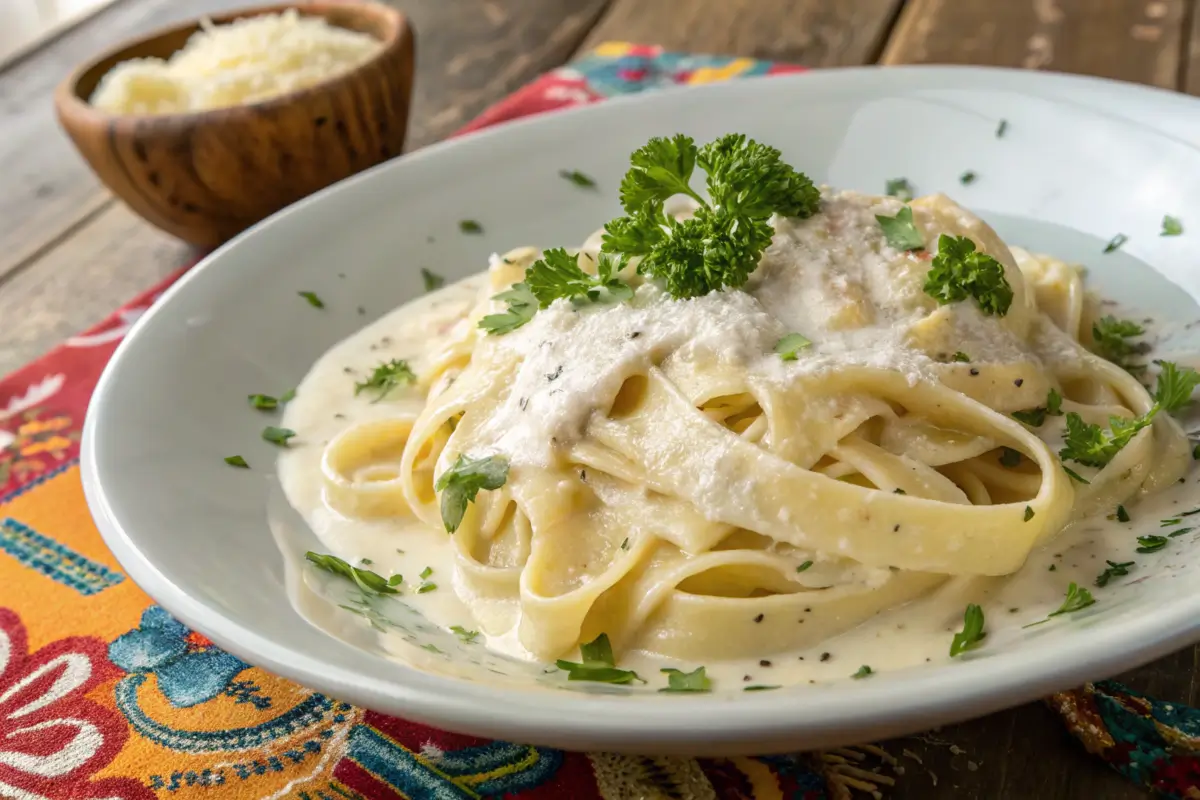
(974, 372)
(759, 618)
(826, 656)
(1018, 382)
(764, 663)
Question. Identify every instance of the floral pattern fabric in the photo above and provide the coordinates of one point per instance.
(105, 695)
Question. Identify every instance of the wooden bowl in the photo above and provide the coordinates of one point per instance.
(206, 176)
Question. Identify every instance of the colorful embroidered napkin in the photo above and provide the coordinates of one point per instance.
(104, 695)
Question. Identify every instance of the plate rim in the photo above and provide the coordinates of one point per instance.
(716, 724)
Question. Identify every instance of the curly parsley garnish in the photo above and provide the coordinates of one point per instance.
(900, 231)
(385, 378)
(1077, 598)
(370, 582)
(680, 681)
(432, 280)
(460, 484)
(1036, 417)
(597, 664)
(789, 346)
(522, 305)
(721, 244)
(959, 271)
(1109, 339)
(899, 188)
(1115, 570)
(1175, 386)
(557, 275)
(1171, 226)
(972, 634)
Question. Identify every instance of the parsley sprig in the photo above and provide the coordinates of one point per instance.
(1115, 570)
(597, 664)
(1092, 445)
(522, 305)
(721, 244)
(900, 231)
(972, 634)
(959, 271)
(386, 377)
(557, 275)
(370, 582)
(1175, 386)
(1077, 598)
(460, 484)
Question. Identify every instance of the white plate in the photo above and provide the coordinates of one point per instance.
(1081, 160)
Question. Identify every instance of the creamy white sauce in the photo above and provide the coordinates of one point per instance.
(730, 325)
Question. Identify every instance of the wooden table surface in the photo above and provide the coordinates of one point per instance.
(70, 254)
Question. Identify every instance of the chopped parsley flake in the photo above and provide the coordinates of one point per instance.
(1109, 339)
(426, 586)
(959, 271)
(425, 573)
(277, 436)
(863, 672)
(236, 461)
(679, 681)
(900, 188)
(967, 178)
(790, 345)
(961, 357)
(1114, 570)
(1028, 513)
(1075, 476)
(1116, 242)
(1001, 128)
(1171, 226)
(1036, 417)
(1151, 544)
(312, 299)
(288, 396)
(804, 566)
(578, 178)
(470, 226)
(432, 280)
(1179, 532)
(1009, 458)
(463, 633)
(760, 688)
(972, 634)
(385, 378)
(263, 402)
(597, 664)
(1122, 514)
(461, 483)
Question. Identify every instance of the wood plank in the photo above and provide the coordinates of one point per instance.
(1130, 40)
(817, 33)
(467, 58)
(47, 187)
(107, 262)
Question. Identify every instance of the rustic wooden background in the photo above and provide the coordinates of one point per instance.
(69, 254)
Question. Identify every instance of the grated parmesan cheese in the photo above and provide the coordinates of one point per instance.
(243, 62)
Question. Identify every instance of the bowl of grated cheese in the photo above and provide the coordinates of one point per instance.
(210, 126)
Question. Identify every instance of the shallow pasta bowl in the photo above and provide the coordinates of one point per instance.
(1080, 160)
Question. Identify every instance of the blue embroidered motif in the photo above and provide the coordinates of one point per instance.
(188, 674)
(54, 560)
